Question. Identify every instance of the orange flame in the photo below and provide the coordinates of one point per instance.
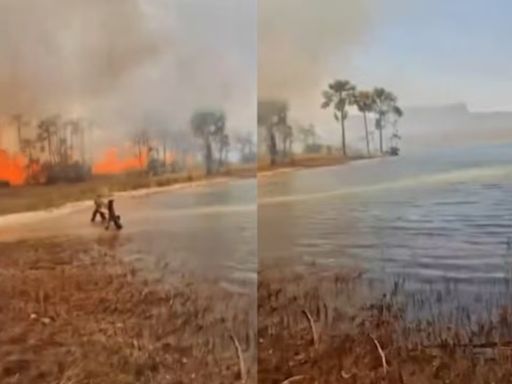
(111, 163)
(12, 168)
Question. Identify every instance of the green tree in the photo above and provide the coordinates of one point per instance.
(272, 114)
(385, 107)
(365, 103)
(338, 95)
(208, 125)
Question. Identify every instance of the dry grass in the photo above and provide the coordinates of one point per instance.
(302, 161)
(72, 312)
(305, 161)
(367, 344)
(31, 198)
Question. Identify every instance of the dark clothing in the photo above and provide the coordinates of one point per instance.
(112, 216)
(96, 213)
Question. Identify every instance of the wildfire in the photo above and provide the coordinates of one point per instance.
(12, 168)
(111, 163)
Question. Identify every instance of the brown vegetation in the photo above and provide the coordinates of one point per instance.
(72, 312)
(305, 161)
(312, 328)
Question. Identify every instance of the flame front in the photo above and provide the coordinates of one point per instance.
(112, 163)
(12, 168)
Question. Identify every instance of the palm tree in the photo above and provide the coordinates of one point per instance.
(47, 131)
(285, 132)
(307, 135)
(339, 94)
(385, 105)
(272, 114)
(224, 144)
(364, 101)
(207, 125)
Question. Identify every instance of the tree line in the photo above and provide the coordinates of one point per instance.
(278, 134)
(57, 150)
(208, 128)
(383, 104)
(55, 147)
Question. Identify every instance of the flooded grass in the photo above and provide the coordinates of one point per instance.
(316, 326)
(73, 312)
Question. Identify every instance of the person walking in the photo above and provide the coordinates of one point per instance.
(113, 217)
(99, 204)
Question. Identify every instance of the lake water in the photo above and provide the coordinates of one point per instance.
(208, 229)
(433, 221)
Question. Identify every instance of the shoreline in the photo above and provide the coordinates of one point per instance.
(62, 198)
(301, 162)
(27, 200)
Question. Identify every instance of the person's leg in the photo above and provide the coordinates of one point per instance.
(94, 213)
(103, 216)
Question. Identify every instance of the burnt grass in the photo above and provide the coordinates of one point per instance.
(314, 327)
(73, 312)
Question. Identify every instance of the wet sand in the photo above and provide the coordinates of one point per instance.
(303, 161)
(41, 197)
(314, 326)
(73, 312)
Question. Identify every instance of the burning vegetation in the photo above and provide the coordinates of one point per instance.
(56, 149)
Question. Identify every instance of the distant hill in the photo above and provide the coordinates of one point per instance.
(453, 125)
(444, 125)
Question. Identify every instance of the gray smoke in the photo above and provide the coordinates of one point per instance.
(297, 38)
(57, 53)
(120, 61)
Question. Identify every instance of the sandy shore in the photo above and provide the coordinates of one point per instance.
(73, 312)
(313, 328)
(30, 199)
(298, 162)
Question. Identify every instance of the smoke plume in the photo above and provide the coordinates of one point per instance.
(128, 63)
(297, 38)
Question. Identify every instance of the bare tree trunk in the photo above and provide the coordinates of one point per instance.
(82, 145)
(165, 154)
(50, 149)
(208, 158)
(343, 144)
(381, 145)
(221, 154)
(366, 133)
(139, 150)
(379, 127)
(272, 146)
(20, 146)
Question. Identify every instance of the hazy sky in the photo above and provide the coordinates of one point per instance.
(426, 51)
(436, 51)
(121, 60)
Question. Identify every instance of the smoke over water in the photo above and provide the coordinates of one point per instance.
(126, 64)
(297, 39)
